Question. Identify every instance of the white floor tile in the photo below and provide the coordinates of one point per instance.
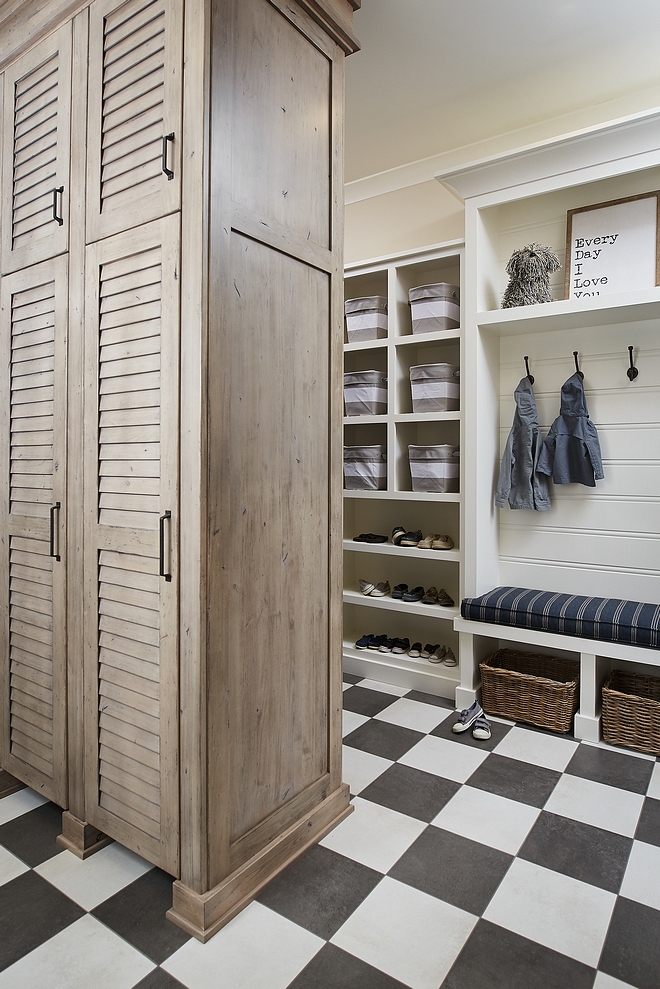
(488, 818)
(19, 803)
(350, 721)
(259, 948)
(359, 769)
(640, 881)
(373, 835)
(596, 804)
(385, 688)
(102, 875)
(608, 982)
(654, 785)
(452, 760)
(10, 866)
(345, 686)
(85, 954)
(414, 714)
(555, 910)
(410, 935)
(539, 749)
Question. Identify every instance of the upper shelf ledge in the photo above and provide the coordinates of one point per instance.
(624, 307)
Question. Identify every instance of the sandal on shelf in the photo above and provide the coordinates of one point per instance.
(365, 586)
(481, 729)
(444, 599)
(427, 541)
(411, 538)
(437, 655)
(431, 596)
(416, 594)
(401, 645)
(398, 532)
(449, 659)
(415, 650)
(442, 542)
(369, 537)
(399, 590)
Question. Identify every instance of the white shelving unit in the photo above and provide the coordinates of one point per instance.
(594, 541)
(380, 511)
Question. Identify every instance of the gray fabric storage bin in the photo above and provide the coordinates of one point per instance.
(434, 468)
(365, 468)
(435, 387)
(365, 393)
(366, 318)
(434, 307)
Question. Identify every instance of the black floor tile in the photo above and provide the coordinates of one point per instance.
(648, 827)
(631, 952)
(453, 869)
(333, 968)
(363, 700)
(137, 913)
(159, 979)
(494, 958)
(411, 791)
(419, 695)
(578, 850)
(31, 837)
(514, 779)
(31, 912)
(612, 768)
(498, 731)
(351, 678)
(383, 739)
(320, 890)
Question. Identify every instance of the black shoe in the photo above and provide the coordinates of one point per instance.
(416, 594)
(411, 538)
(399, 590)
(377, 642)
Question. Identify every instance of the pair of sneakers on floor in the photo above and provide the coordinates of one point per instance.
(473, 717)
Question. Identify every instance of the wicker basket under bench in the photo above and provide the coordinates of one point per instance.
(631, 711)
(524, 686)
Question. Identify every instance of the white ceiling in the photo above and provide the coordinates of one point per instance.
(434, 75)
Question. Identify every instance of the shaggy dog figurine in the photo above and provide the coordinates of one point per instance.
(529, 270)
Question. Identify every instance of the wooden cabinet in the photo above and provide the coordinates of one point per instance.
(200, 424)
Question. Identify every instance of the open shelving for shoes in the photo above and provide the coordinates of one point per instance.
(380, 511)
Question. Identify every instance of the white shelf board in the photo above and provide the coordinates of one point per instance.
(404, 496)
(350, 348)
(409, 607)
(438, 336)
(402, 670)
(387, 549)
(364, 420)
(428, 417)
(566, 314)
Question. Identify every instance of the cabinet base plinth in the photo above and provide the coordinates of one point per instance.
(9, 784)
(203, 914)
(80, 837)
(587, 728)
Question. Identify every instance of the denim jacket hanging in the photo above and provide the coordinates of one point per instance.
(571, 452)
(520, 485)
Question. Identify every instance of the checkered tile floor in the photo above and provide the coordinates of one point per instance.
(527, 861)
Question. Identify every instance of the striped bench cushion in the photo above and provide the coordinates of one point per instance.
(609, 619)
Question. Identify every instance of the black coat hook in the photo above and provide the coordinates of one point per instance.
(577, 366)
(530, 376)
(632, 371)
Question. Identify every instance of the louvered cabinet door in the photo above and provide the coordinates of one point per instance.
(131, 512)
(36, 127)
(134, 146)
(33, 548)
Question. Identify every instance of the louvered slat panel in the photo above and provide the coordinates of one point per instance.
(133, 84)
(131, 368)
(31, 438)
(31, 653)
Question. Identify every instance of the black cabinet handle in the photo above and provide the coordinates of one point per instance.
(168, 138)
(167, 515)
(54, 508)
(56, 215)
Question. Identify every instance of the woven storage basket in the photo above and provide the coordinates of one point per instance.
(631, 711)
(523, 686)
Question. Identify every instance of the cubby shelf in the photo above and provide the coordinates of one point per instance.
(451, 497)
(410, 608)
(607, 310)
(409, 552)
(402, 670)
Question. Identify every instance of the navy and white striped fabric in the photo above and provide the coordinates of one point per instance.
(608, 619)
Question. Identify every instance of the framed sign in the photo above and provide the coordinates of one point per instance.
(613, 247)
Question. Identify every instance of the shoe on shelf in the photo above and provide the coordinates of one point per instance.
(427, 541)
(438, 654)
(369, 537)
(366, 586)
(415, 650)
(398, 532)
(381, 589)
(377, 641)
(401, 645)
(481, 729)
(442, 542)
(431, 596)
(387, 645)
(468, 717)
(411, 538)
(449, 659)
(399, 590)
(365, 641)
(416, 594)
(428, 649)
(444, 599)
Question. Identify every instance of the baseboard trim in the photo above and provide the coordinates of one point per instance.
(80, 837)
